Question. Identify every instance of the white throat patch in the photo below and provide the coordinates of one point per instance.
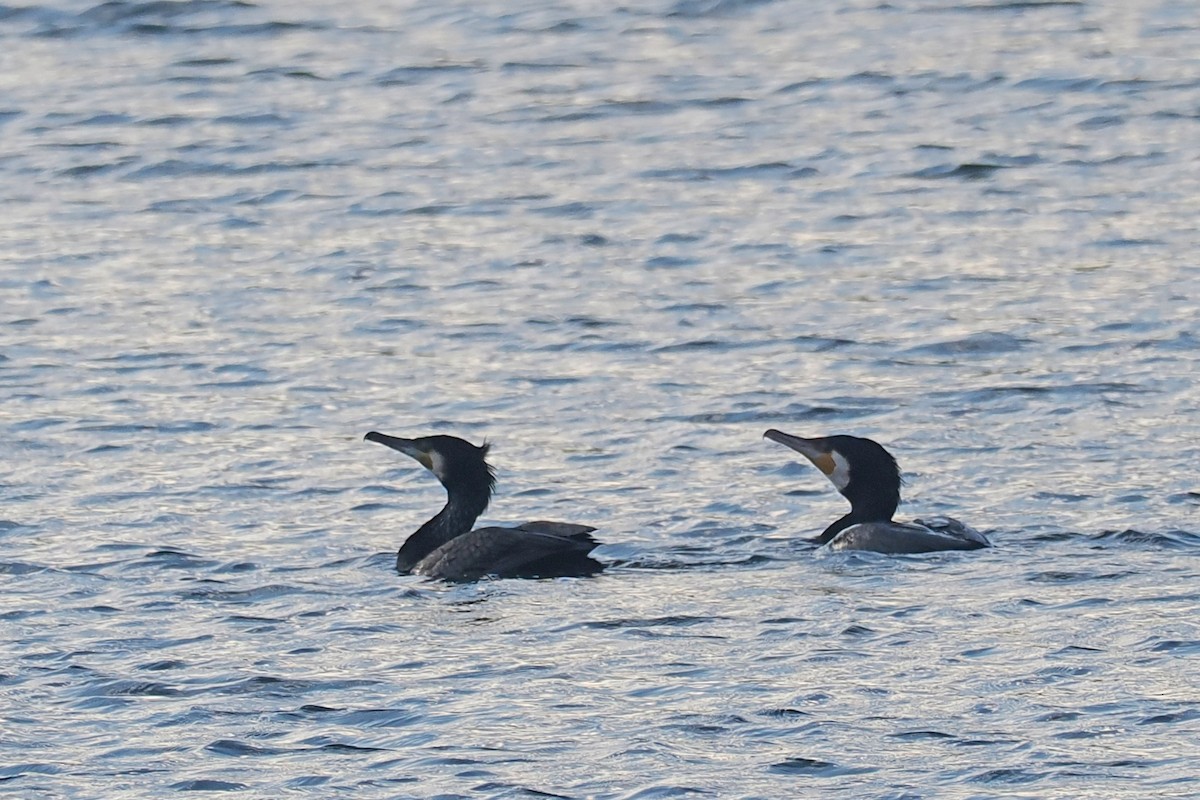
(840, 476)
(437, 464)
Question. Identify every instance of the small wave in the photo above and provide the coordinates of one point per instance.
(919, 735)
(693, 9)
(255, 595)
(245, 383)
(774, 169)
(166, 559)
(634, 622)
(21, 568)
(1101, 121)
(784, 713)
(671, 262)
(1153, 156)
(129, 688)
(108, 448)
(988, 343)
(417, 73)
(1177, 647)
(342, 747)
(282, 687)
(969, 171)
(8, 772)
(1166, 540)
(1008, 776)
(1014, 5)
(231, 747)
(1184, 341)
(1078, 576)
(792, 414)
(661, 791)
(184, 426)
(376, 717)
(554, 65)
(1127, 242)
(209, 785)
(576, 210)
(814, 766)
(1187, 715)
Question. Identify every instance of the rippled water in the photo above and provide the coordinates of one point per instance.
(619, 242)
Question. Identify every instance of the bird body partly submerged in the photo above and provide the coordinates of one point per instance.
(918, 536)
(867, 475)
(448, 549)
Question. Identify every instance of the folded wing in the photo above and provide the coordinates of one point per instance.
(538, 549)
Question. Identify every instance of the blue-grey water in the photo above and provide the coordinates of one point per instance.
(619, 242)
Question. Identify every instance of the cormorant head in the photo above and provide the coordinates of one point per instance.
(458, 464)
(864, 472)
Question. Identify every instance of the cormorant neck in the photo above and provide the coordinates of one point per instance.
(863, 508)
(462, 508)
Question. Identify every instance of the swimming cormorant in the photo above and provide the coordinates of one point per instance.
(867, 476)
(446, 548)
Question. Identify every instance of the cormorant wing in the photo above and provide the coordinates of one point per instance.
(533, 550)
(949, 526)
(567, 529)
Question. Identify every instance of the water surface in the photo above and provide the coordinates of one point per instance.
(619, 243)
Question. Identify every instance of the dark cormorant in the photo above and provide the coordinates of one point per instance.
(867, 476)
(445, 547)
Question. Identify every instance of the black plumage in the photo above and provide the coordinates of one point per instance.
(447, 548)
(867, 475)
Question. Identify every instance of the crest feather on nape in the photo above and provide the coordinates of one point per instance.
(484, 449)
